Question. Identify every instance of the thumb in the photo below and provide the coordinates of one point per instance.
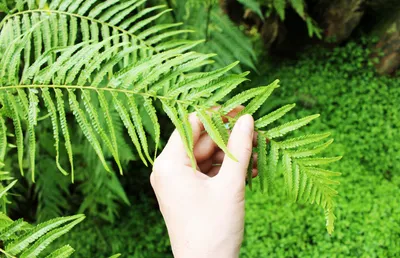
(240, 144)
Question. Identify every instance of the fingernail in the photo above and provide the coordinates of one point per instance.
(246, 124)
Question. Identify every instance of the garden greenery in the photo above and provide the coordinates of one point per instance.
(108, 65)
(341, 84)
(22, 239)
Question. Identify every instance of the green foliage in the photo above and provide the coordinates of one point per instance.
(140, 233)
(22, 239)
(107, 69)
(279, 8)
(221, 35)
(358, 107)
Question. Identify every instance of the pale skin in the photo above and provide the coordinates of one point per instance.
(204, 210)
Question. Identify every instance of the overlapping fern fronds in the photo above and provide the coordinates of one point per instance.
(279, 7)
(222, 36)
(22, 239)
(109, 57)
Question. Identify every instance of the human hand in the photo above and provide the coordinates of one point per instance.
(204, 210)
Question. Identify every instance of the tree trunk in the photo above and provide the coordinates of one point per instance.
(340, 17)
(387, 50)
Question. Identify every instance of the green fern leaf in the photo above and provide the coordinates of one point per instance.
(250, 174)
(124, 115)
(280, 6)
(32, 122)
(151, 111)
(288, 127)
(302, 140)
(254, 6)
(213, 132)
(255, 104)
(54, 121)
(240, 99)
(273, 158)
(137, 120)
(64, 129)
(94, 117)
(182, 129)
(319, 161)
(8, 187)
(230, 83)
(48, 238)
(3, 139)
(17, 127)
(9, 231)
(184, 116)
(310, 152)
(273, 116)
(219, 124)
(317, 172)
(21, 243)
(63, 252)
(86, 127)
(298, 6)
(262, 161)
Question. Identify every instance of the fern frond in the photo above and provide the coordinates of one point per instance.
(62, 252)
(182, 128)
(20, 237)
(87, 129)
(8, 187)
(319, 161)
(54, 121)
(279, 6)
(213, 132)
(107, 60)
(255, 103)
(253, 5)
(64, 128)
(18, 245)
(263, 172)
(9, 231)
(249, 175)
(302, 140)
(290, 126)
(44, 241)
(11, 103)
(298, 6)
(3, 139)
(273, 116)
(240, 99)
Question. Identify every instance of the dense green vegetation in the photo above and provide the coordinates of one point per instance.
(91, 90)
(361, 109)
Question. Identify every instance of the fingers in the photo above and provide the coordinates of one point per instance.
(219, 156)
(204, 146)
(175, 149)
(204, 149)
(240, 145)
(215, 170)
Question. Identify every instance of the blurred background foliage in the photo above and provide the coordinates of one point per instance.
(338, 58)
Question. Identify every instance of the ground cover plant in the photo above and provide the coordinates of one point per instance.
(367, 211)
(86, 87)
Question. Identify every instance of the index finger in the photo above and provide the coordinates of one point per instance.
(175, 149)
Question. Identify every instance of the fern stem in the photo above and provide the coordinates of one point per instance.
(7, 254)
(81, 17)
(209, 7)
(98, 89)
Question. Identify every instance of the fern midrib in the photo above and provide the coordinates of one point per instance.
(81, 17)
(36, 86)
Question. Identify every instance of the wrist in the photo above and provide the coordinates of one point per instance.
(188, 253)
(206, 251)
